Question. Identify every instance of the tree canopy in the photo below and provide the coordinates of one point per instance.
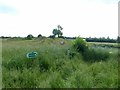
(58, 31)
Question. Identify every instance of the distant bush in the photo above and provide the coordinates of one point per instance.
(103, 39)
(62, 37)
(30, 36)
(39, 36)
(52, 36)
(70, 37)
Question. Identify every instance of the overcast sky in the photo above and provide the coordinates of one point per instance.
(95, 18)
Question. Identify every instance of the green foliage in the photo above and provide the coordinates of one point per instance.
(44, 65)
(103, 39)
(29, 37)
(95, 55)
(56, 81)
(80, 45)
(57, 31)
(52, 68)
(39, 36)
(89, 54)
(52, 36)
(59, 27)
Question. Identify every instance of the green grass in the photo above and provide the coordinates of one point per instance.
(0, 63)
(53, 68)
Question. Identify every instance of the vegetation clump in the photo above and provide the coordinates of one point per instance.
(29, 37)
(80, 45)
(88, 53)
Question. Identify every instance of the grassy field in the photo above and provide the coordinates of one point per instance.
(0, 63)
(53, 68)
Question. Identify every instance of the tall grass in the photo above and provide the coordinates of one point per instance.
(89, 53)
(0, 64)
(52, 68)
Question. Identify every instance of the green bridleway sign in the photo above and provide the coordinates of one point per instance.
(32, 55)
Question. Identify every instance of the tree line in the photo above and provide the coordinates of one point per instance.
(102, 39)
(57, 32)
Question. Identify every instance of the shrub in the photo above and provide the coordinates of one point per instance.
(29, 37)
(39, 36)
(89, 54)
(52, 36)
(80, 45)
(62, 37)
